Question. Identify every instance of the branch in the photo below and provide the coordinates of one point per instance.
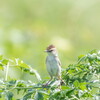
(8, 88)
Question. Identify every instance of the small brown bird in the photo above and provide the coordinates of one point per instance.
(53, 63)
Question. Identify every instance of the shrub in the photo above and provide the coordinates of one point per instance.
(82, 81)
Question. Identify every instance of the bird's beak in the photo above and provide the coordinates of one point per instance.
(45, 50)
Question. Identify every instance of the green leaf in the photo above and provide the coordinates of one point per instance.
(1, 67)
(65, 87)
(70, 92)
(83, 86)
(11, 83)
(93, 51)
(87, 94)
(23, 65)
(5, 61)
(81, 58)
(38, 96)
(26, 70)
(76, 83)
(9, 95)
(27, 96)
(21, 83)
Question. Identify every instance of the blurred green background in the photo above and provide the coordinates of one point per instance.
(27, 27)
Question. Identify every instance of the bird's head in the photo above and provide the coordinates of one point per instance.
(51, 50)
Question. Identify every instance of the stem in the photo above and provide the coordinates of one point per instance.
(22, 88)
(7, 68)
(30, 87)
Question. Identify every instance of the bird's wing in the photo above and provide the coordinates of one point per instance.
(59, 62)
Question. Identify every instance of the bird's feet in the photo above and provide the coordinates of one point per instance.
(45, 85)
(62, 82)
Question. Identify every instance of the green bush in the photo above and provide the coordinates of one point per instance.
(82, 81)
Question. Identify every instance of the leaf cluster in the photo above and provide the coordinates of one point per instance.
(82, 81)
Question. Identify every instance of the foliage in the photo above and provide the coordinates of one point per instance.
(82, 81)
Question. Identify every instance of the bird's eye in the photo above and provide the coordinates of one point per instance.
(50, 50)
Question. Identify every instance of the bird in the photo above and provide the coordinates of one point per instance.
(53, 63)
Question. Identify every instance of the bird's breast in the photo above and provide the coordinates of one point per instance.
(52, 66)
